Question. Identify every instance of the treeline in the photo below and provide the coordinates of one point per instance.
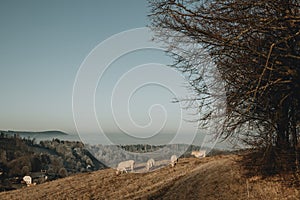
(141, 148)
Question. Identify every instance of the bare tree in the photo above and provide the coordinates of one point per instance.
(255, 46)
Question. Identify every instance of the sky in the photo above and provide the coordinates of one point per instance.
(43, 48)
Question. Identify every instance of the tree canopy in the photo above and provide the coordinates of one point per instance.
(255, 46)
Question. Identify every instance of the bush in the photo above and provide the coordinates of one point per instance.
(62, 172)
(25, 170)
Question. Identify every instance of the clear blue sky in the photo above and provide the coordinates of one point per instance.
(43, 44)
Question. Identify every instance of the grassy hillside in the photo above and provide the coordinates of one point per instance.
(217, 177)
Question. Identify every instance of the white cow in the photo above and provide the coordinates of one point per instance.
(124, 166)
(28, 180)
(121, 170)
(199, 154)
(150, 164)
(174, 160)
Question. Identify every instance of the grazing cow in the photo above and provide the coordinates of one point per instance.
(199, 154)
(121, 170)
(150, 164)
(124, 166)
(174, 160)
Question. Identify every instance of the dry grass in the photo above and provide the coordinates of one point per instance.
(218, 177)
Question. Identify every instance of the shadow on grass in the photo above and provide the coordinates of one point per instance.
(278, 164)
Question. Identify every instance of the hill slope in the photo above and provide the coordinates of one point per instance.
(218, 177)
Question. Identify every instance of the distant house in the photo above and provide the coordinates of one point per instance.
(37, 174)
(39, 177)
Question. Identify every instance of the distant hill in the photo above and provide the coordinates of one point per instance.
(43, 135)
(33, 133)
(216, 177)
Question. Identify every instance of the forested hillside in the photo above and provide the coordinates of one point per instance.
(54, 159)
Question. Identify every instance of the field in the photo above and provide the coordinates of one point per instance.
(216, 177)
